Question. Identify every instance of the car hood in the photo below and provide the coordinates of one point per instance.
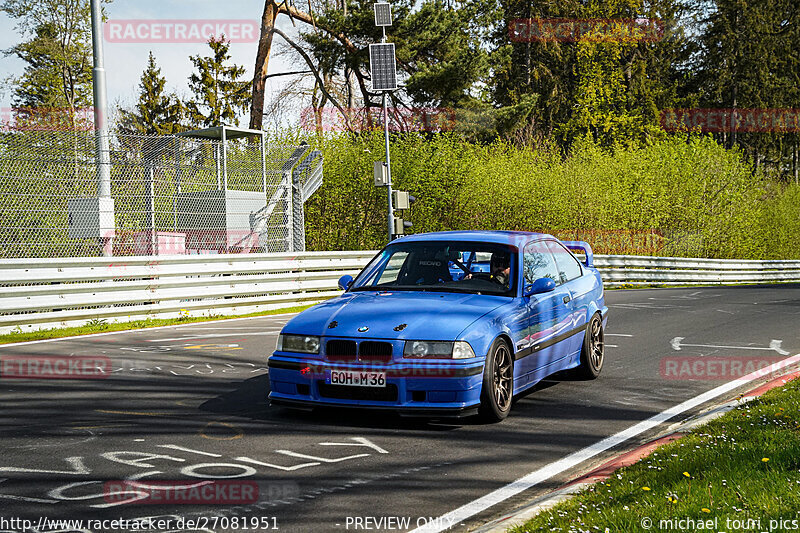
(426, 315)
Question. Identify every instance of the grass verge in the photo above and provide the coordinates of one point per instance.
(100, 326)
(740, 472)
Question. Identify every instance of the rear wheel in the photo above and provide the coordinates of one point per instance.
(498, 383)
(593, 351)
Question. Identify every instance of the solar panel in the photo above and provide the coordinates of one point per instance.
(382, 67)
(383, 14)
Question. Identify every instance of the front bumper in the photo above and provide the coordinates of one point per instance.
(413, 388)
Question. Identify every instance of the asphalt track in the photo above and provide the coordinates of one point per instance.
(189, 403)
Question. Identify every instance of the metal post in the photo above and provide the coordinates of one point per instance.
(390, 218)
(100, 105)
(289, 206)
(224, 159)
(263, 164)
(151, 209)
(177, 184)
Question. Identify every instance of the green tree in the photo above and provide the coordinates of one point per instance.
(602, 109)
(749, 60)
(56, 49)
(156, 112)
(536, 76)
(648, 71)
(218, 92)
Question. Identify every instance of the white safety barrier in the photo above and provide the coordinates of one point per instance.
(620, 270)
(47, 293)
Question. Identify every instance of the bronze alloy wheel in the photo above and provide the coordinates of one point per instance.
(593, 351)
(498, 383)
(502, 382)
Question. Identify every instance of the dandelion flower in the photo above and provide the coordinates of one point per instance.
(646, 488)
(705, 510)
(764, 459)
(687, 474)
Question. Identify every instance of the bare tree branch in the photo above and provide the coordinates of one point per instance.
(287, 73)
(316, 75)
(339, 36)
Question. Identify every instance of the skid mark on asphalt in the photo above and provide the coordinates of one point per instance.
(314, 493)
(215, 335)
(201, 369)
(213, 347)
(238, 433)
(697, 295)
(647, 305)
(132, 413)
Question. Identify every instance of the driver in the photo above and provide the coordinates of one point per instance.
(500, 267)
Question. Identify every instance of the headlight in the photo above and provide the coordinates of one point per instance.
(437, 350)
(298, 343)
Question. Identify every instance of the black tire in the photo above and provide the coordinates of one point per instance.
(498, 383)
(593, 350)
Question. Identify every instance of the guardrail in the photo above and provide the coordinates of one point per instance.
(620, 270)
(46, 293)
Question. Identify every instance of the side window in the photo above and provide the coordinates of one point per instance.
(568, 267)
(538, 262)
(392, 270)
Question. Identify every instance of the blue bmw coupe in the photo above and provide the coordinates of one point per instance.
(447, 324)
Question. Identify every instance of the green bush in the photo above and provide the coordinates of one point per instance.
(701, 199)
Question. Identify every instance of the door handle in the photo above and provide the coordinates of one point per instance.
(566, 299)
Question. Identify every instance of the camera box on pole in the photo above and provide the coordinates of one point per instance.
(381, 174)
(91, 218)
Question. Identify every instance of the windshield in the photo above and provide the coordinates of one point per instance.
(447, 266)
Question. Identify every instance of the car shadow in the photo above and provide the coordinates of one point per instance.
(249, 400)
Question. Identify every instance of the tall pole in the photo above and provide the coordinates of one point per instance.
(102, 158)
(390, 218)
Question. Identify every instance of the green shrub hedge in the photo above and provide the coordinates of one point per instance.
(694, 198)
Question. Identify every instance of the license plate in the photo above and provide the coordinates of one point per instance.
(357, 378)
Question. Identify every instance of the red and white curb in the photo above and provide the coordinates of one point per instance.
(607, 469)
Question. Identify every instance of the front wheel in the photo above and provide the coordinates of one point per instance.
(498, 383)
(593, 351)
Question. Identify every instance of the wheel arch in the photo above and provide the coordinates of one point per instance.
(507, 338)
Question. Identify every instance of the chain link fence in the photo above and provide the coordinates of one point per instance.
(170, 195)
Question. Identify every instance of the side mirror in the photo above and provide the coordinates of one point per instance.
(345, 282)
(539, 286)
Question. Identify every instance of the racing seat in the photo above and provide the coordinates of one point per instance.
(427, 270)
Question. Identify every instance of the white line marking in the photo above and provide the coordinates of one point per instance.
(181, 448)
(72, 338)
(270, 465)
(574, 459)
(320, 459)
(359, 441)
(26, 499)
(75, 462)
(618, 335)
(774, 345)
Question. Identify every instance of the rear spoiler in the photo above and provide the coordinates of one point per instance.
(581, 247)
